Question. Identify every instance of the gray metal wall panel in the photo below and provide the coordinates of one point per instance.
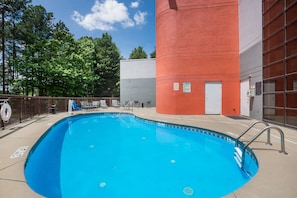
(250, 35)
(251, 62)
(251, 65)
(142, 90)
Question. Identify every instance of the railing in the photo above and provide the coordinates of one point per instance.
(239, 154)
(26, 107)
(250, 127)
(282, 138)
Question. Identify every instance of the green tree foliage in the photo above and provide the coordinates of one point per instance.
(35, 30)
(66, 76)
(84, 62)
(138, 53)
(153, 54)
(107, 66)
(12, 43)
(46, 59)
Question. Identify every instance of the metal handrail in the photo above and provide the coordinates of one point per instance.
(282, 138)
(251, 126)
(267, 128)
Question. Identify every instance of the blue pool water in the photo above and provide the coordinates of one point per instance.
(122, 156)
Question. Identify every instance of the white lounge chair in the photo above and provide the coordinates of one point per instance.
(103, 104)
(129, 105)
(85, 105)
(115, 103)
(95, 104)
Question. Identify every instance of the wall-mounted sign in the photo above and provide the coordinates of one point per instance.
(186, 87)
(176, 86)
(258, 88)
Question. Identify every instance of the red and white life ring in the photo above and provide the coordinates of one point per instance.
(5, 112)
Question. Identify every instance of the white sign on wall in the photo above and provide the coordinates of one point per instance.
(176, 86)
(186, 87)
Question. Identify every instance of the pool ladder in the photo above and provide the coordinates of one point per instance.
(239, 152)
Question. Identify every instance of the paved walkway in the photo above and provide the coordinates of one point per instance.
(277, 175)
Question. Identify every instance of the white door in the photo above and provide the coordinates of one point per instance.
(213, 98)
(244, 98)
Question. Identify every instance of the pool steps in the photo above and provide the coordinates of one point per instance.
(238, 156)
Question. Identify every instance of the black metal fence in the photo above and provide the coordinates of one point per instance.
(25, 107)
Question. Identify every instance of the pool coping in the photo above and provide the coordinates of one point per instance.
(276, 176)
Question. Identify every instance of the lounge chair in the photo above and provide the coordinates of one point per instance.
(103, 104)
(148, 103)
(85, 105)
(136, 103)
(129, 104)
(115, 103)
(95, 104)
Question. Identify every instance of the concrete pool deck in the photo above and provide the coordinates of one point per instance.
(277, 175)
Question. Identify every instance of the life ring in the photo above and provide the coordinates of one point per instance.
(5, 112)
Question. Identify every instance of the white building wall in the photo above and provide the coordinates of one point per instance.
(138, 68)
(250, 35)
(138, 81)
(250, 23)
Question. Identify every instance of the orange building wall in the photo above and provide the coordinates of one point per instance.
(197, 41)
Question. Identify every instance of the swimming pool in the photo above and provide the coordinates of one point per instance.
(113, 155)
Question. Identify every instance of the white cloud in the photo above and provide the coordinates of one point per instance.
(139, 17)
(104, 16)
(134, 4)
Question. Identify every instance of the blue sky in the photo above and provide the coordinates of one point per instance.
(131, 23)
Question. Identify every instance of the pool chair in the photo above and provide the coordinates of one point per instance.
(74, 106)
(136, 103)
(148, 103)
(95, 104)
(115, 103)
(85, 104)
(103, 104)
(129, 105)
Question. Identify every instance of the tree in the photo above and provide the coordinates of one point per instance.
(107, 66)
(60, 71)
(46, 60)
(12, 42)
(138, 53)
(153, 54)
(34, 30)
(84, 63)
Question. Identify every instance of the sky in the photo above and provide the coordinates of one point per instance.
(131, 23)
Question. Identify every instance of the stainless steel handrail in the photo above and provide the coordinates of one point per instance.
(282, 138)
(267, 128)
(251, 126)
